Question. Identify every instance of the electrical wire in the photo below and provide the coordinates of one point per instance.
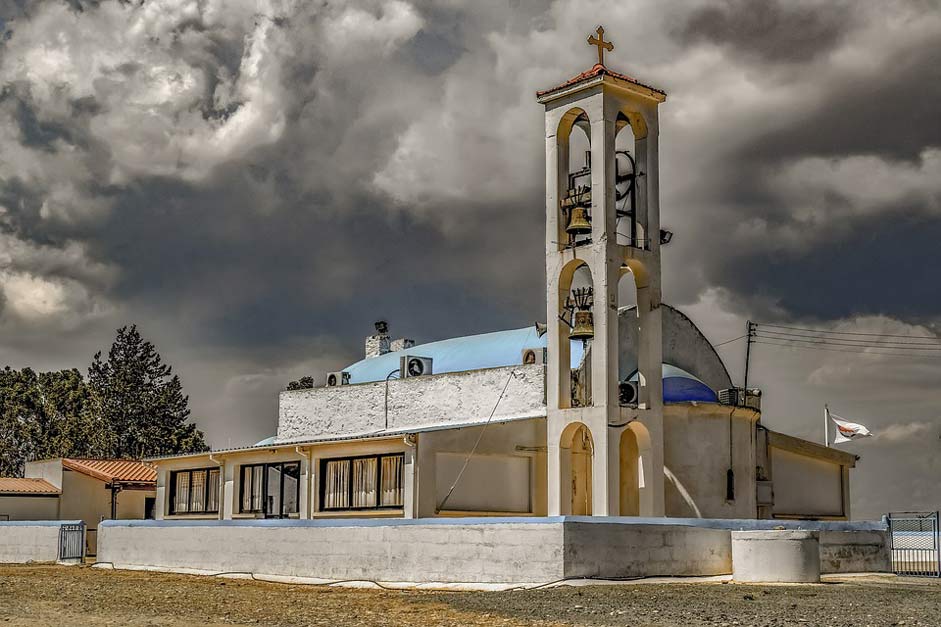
(735, 339)
(781, 326)
(786, 335)
(828, 342)
(844, 350)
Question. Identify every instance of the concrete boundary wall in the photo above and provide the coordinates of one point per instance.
(463, 550)
(25, 541)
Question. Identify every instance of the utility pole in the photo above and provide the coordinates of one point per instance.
(749, 334)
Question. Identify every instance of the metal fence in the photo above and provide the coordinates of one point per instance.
(72, 542)
(916, 544)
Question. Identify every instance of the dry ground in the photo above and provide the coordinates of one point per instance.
(58, 595)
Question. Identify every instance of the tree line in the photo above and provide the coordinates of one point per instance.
(130, 406)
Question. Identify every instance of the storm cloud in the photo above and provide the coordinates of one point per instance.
(253, 182)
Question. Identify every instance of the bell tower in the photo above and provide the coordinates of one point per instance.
(605, 434)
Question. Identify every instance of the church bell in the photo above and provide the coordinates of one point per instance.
(584, 327)
(578, 222)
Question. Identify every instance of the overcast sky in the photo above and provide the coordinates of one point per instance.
(255, 182)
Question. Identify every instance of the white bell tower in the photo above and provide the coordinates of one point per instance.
(605, 440)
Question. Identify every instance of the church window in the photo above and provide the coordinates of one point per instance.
(355, 483)
(270, 489)
(194, 491)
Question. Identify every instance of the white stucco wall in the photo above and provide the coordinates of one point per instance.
(22, 543)
(518, 444)
(86, 498)
(855, 552)
(697, 452)
(465, 550)
(455, 398)
(806, 486)
(29, 507)
(48, 469)
(506, 552)
(612, 550)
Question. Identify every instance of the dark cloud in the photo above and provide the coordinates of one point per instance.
(769, 30)
(891, 110)
(256, 185)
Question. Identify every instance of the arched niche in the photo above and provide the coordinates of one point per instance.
(574, 274)
(576, 449)
(573, 143)
(633, 445)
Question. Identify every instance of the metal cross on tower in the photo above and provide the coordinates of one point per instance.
(601, 43)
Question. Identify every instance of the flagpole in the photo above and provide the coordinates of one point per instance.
(826, 425)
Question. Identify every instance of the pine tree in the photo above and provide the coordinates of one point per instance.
(140, 402)
(42, 416)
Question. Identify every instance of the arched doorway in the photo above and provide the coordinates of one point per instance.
(578, 452)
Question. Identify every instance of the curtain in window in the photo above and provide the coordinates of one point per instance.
(182, 496)
(391, 489)
(246, 489)
(197, 490)
(337, 485)
(212, 502)
(258, 475)
(364, 482)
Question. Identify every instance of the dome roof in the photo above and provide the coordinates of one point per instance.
(505, 348)
(472, 352)
(680, 386)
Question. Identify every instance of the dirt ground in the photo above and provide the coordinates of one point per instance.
(59, 595)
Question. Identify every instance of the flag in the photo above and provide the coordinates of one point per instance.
(846, 430)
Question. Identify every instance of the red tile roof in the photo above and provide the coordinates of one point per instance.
(18, 485)
(124, 470)
(597, 70)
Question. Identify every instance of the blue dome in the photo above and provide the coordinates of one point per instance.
(680, 386)
(266, 441)
(472, 352)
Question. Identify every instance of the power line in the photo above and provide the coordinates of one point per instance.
(842, 343)
(783, 335)
(844, 350)
(781, 326)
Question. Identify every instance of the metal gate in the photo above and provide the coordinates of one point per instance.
(916, 544)
(72, 542)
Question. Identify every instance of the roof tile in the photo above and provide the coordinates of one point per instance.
(596, 70)
(19, 485)
(113, 469)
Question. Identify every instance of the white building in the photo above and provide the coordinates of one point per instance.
(625, 421)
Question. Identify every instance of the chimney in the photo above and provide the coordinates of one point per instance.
(401, 344)
(378, 344)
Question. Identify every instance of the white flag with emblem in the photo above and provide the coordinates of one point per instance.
(846, 430)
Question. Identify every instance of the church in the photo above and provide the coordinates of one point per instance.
(605, 410)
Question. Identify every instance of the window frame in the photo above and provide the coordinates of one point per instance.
(205, 510)
(264, 488)
(322, 488)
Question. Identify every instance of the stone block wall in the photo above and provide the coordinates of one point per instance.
(455, 398)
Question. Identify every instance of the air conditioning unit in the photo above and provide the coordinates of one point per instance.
(740, 397)
(412, 366)
(335, 379)
(628, 393)
(533, 356)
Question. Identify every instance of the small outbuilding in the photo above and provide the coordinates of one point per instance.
(90, 490)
